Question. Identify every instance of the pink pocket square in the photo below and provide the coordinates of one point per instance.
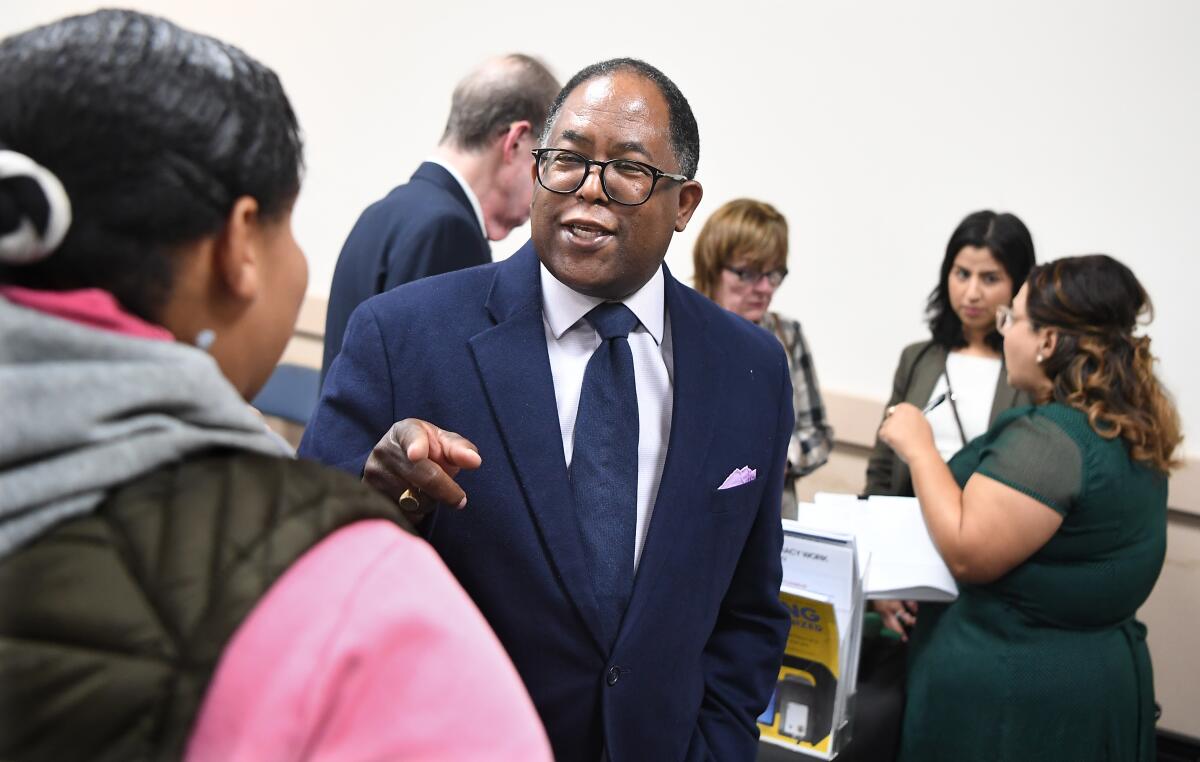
(738, 477)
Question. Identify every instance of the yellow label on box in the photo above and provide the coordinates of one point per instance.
(800, 714)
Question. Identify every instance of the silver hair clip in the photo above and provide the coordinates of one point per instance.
(28, 243)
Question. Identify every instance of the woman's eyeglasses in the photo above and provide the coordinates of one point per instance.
(752, 277)
(1005, 318)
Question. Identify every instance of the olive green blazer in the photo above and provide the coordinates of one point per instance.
(921, 365)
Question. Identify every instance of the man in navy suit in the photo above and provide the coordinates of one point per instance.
(475, 188)
(672, 651)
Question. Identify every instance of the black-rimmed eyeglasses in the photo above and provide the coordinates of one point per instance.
(625, 182)
(751, 277)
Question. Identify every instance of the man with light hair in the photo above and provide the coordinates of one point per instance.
(475, 188)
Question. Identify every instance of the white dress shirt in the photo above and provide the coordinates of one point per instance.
(570, 342)
(974, 381)
(466, 189)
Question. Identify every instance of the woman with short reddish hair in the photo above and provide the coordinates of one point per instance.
(740, 259)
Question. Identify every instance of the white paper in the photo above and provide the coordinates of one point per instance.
(893, 544)
(823, 565)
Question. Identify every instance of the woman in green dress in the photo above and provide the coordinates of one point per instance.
(1054, 523)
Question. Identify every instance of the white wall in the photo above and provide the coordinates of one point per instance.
(874, 126)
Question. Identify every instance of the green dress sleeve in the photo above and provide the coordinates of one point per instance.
(1034, 456)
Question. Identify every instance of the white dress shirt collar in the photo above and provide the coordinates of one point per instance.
(466, 189)
(570, 343)
(563, 307)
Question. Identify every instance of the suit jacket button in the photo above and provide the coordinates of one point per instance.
(614, 674)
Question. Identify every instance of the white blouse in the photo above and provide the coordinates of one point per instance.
(974, 382)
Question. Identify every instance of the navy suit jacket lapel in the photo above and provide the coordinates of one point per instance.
(684, 488)
(437, 175)
(515, 370)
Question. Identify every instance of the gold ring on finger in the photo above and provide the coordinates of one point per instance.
(410, 500)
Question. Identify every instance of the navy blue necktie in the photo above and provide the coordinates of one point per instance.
(604, 461)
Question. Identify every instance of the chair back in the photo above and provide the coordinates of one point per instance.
(291, 393)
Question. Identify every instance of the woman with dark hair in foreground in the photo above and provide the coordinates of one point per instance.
(1054, 522)
(172, 580)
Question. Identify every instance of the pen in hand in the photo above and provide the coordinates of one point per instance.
(935, 402)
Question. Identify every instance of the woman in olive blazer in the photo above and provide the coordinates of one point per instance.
(921, 365)
(986, 261)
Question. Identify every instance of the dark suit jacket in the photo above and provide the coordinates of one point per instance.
(699, 649)
(921, 365)
(423, 228)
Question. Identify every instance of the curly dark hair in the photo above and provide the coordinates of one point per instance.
(1007, 238)
(1098, 365)
(155, 132)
